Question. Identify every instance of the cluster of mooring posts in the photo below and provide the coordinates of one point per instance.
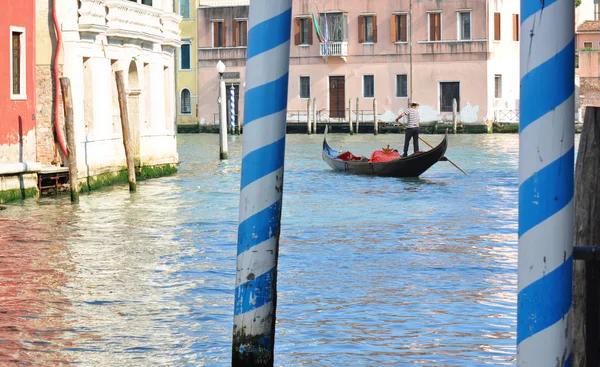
(548, 333)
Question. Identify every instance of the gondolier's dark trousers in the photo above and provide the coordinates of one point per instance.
(413, 133)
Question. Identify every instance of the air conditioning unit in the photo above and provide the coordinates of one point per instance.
(186, 109)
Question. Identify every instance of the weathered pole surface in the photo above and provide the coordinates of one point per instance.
(65, 84)
(546, 183)
(375, 118)
(125, 128)
(308, 117)
(350, 116)
(222, 119)
(357, 112)
(586, 331)
(454, 114)
(315, 115)
(261, 188)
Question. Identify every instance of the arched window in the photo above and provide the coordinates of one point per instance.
(186, 102)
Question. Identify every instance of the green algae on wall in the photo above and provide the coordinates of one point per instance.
(17, 194)
(110, 178)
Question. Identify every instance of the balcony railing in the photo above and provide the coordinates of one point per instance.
(335, 49)
(128, 19)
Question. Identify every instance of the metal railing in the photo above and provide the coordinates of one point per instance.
(323, 115)
(506, 116)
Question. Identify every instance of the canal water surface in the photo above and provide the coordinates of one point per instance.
(372, 271)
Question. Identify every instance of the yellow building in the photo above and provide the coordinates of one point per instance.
(187, 64)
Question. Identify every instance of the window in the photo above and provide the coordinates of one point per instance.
(464, 26)
(401, 86)
(435, 26)
(399, 27)
(219, 34)
(186, 102)
(17, 63)
(184, 8)
(367, 29)
(304, 87)
(498, 86)
(337, 26)
(302, 31)
(448, 92)
(587, 45)
(515, 27)
(240, 33)
(143, 2)
(496, 26)
(185, 56)
(368, 86)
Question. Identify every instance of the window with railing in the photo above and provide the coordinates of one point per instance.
(336, 29)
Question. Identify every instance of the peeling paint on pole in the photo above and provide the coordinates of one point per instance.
(261, 186)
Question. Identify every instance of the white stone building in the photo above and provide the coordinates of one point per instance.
(99, 37)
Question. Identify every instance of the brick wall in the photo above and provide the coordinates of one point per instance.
(48, 151)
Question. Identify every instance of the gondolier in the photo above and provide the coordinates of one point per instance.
(412, 127)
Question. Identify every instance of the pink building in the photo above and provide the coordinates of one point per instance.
(394, 51)
(588, 46)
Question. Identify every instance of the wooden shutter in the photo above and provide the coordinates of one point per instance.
(497, 26)
(245, 33)
(515, 27)
(361, 29)
(215, 34)
(236, 33)
(297, 31)
(310, 31)
(403, 27)
(374, 28)
(224, 34)
(435, 31)
(393, 28)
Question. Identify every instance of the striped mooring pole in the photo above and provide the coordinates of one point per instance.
(546, 183)
(232, 108)
(261, 187)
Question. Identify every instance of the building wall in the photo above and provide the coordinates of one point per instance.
(589, 64)
(17, 111)
(582, 38)
(94, 48)
(472, 63)
(188, 79)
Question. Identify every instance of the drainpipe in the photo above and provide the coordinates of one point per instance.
(59, 134)
(410, 52)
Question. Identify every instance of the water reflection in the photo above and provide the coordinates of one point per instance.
(372, 271)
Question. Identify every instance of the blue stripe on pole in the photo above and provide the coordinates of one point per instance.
(254, 293)
(259, 227)
(265, 38)
(545, 302)
(546, 192)
(262, 161)
(541, 93)
(530, 7)
(255, 99)
(568, 361)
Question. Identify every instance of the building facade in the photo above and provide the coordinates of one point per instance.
(100, 37)
(187, 63)
(588, 54)
(394, 51)
(17, 101)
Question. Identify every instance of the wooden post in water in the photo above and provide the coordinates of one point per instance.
(350, 116)
(357, 111)
(546, 180)
(261, 187)
(65, 84)
(308, 117)
(586, 274)
(125, 128)
(375, 118)
(315, 115)
(454, 114)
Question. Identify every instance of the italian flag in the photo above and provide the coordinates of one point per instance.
(317, 29)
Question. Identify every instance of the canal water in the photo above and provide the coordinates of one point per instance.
(372, 271)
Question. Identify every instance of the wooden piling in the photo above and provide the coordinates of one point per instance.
(350, 116)
(454, 114)
(375, 118)
(315, 115)
(125, 128)
(308, 117)
(586, 320)
(357, 111)
(65, 85)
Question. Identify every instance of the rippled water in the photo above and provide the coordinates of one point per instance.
(372, 271)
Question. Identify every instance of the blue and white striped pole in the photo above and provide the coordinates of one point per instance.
(261, 186)
(232, 108)
(546, 183)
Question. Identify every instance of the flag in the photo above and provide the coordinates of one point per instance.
(317, 28)
(326, 48)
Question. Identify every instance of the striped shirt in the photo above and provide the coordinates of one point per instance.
(413, 118)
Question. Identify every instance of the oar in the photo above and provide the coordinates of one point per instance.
(423, 140)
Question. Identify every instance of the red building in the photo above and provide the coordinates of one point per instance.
(18, 176)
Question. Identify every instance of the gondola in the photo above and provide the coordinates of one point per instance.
(385, 163)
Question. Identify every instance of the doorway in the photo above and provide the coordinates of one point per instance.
(337, 97)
